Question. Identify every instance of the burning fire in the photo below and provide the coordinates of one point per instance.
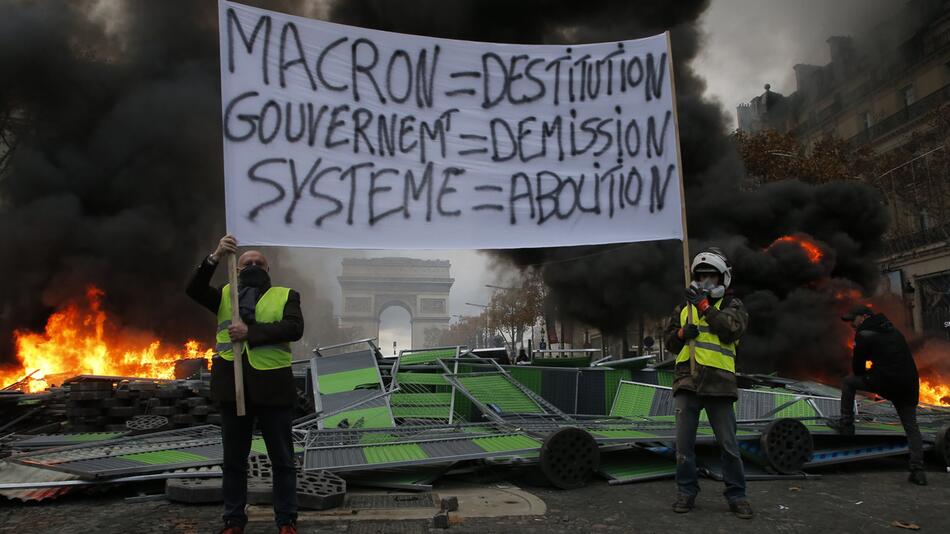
(80, 339)
(812, 250)
(849, 295)
(935, 394)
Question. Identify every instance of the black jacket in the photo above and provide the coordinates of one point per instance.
(729, 323)
(893, 373)
(261, 388)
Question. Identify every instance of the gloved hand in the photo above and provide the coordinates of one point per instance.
(697, 296)
(688, 332)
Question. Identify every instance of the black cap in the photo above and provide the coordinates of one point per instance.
(856, 311)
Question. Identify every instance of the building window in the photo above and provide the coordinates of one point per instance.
(867, 120)
(907, 95)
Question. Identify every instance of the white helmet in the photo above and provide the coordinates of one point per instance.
(713, 259)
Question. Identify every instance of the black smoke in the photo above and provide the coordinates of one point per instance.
(794, 304)
(115, 176)
(115, 179)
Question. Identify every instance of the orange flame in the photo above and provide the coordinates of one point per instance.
(934, 394)
(812, 250)
(80, 339)
(848, 295)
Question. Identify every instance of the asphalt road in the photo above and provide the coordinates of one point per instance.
(861, 498)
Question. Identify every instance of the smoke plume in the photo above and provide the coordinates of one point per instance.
(115, 178)
(794, 303)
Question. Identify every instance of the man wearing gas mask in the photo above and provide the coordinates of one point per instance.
(270, 320)
(705, 377)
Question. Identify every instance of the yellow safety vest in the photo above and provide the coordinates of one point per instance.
(710, 351)
(269, 309)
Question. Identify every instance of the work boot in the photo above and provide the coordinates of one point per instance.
(742, 509)
(843, 425)
(684, 503)
(917, 477)
(288, 529)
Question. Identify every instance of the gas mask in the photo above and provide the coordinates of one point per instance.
(710, 282)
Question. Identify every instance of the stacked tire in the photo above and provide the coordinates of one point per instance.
(56, 403)
(87, 405)
(185, 403)
(97, 405)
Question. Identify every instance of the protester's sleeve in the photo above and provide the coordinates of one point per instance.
(199, 287)
(862, 351)
(673, 343)
(730, 322)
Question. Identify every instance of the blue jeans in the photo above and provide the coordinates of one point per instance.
(723, 422)
(236, 434)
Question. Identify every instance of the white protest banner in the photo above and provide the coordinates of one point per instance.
(336, 136)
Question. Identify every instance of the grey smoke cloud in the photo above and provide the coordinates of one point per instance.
(749, 43)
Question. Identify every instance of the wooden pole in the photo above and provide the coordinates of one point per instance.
(236, 348)
(679, 162)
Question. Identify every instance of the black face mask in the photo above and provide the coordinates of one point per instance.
(253, 276)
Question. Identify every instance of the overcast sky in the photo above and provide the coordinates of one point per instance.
(753, 42)
(748, 43)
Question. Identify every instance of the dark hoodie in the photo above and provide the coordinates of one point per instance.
(893, 373)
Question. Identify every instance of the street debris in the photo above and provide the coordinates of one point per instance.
(404, 422)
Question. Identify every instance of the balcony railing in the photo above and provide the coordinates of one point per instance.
(910, 241)
(909, 113)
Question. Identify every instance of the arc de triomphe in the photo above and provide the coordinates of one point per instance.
(371, 285)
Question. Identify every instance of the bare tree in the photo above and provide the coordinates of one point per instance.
(912, 178)
(511, 311)
(464, 332)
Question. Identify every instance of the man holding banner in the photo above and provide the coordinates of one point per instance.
(705, 334)
(270, 319)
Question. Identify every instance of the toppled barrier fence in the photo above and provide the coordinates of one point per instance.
(404, 422)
